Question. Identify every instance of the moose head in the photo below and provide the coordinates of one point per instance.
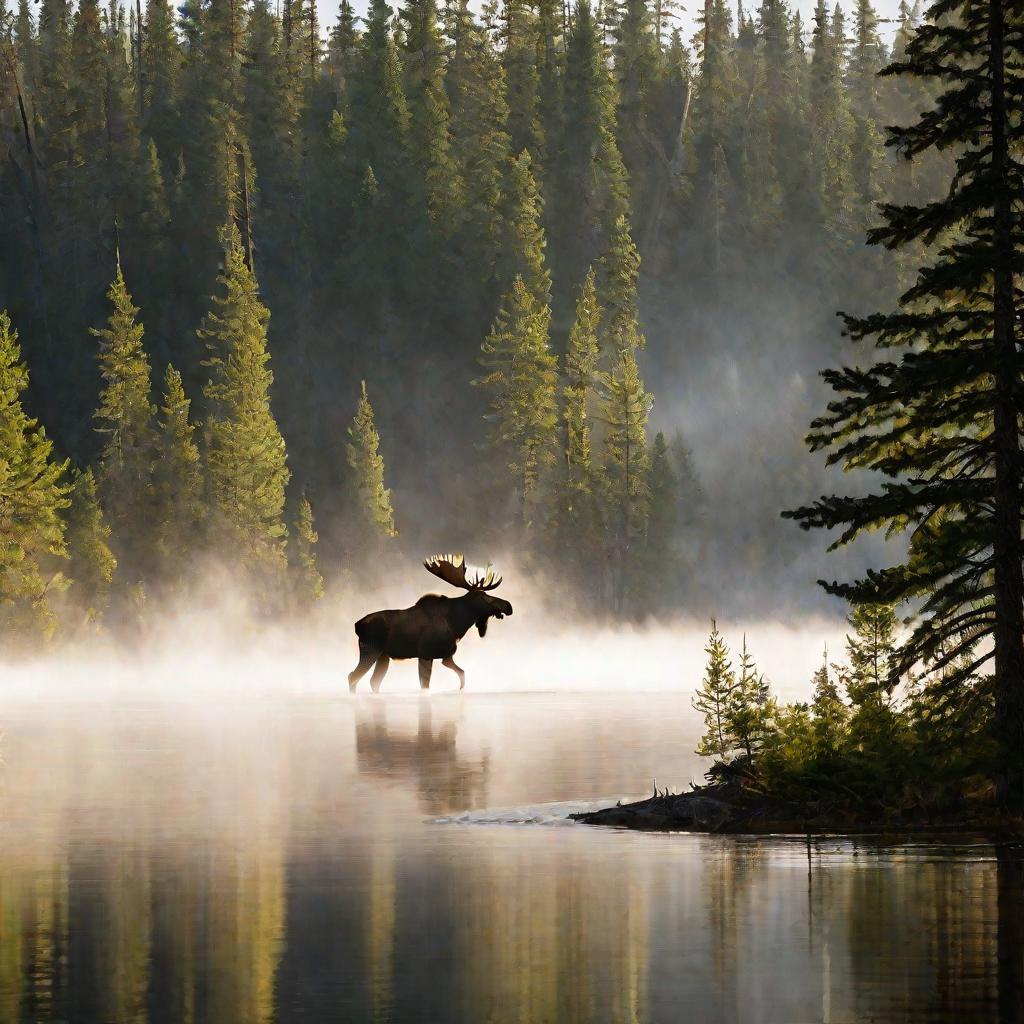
(453, 570)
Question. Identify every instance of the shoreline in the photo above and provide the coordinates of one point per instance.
(732, 810)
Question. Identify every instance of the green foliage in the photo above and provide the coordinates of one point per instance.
(92, 563)
(32, 496)
(367, 464)
(580, 497)
(309, 584)
(245, 453)
(938, 415)
(751, 707)
(714, 698)
(178, 486)
(124, 419)
(625, 408)
(520, 381)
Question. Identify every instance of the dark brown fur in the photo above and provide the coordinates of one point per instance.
(430, 629)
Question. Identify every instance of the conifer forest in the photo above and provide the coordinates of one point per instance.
(433, 279)
(680, 317)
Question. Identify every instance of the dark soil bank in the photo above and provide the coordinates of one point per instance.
(730, 808)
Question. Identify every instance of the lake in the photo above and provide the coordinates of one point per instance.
(400, 858)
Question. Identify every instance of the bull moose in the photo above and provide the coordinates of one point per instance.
(431, 628)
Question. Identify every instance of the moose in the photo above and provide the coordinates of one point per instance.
(431, 628)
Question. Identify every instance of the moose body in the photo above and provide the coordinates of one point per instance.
(430, 629)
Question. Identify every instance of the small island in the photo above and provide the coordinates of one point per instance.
(876, 751)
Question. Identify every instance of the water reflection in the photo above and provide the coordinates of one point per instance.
(427, 759)
(156, 868)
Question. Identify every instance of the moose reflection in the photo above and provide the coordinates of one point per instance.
(428, 757)
(431, 628)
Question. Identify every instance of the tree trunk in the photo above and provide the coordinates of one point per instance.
(1007, 548)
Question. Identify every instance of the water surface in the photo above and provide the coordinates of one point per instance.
(366, 860)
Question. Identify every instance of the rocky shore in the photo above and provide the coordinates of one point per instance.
(730, 808)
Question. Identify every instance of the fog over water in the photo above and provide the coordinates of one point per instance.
(337, 858)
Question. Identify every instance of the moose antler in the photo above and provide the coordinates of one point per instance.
(452, 569)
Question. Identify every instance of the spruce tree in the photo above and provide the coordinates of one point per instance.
(309, 584)
(92, 563)
(830, 713)
(580, 489)
(124, 419)
(378, 111)
(520, 380)
(480, 142)
(625, 408)
(178, 485)
(941, 419)
(245, 453)
(522, 245)
(660, 555)
(714, 697)
(751, 707)
(871, 653)
(376, 518)
(423, 69)
(33, 496)
(161, 78)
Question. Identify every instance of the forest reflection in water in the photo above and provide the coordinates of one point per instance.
(280, 862)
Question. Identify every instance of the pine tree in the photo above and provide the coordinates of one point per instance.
(379, 112)
(161, 78)
(625, 407)
(309, 584)
(580, 491)
(661, 557)
(832, 121)
(522, 244)
(522, 75)
(33, 495)
(92, 563)
(124, 418)
(429, 114)
(751, 707)
(594, 187)
(942, 421)
(871, 652)
(480, 142)
(377, 520)
(830, 713)
(520, 379)
(714, 697)
(177, 485)
(245, 453)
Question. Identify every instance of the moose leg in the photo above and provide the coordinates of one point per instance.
(380, 670)
(426, 664)
(449, 662)
(366, 659)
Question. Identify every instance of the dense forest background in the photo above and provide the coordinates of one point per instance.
(546, 280)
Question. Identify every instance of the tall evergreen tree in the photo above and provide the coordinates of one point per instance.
(523, 243)
(179, 510)
(124, 418)
(309, 584)
(580, 488)
(625, 408)
(245, 453)
(33, 495)
(91, 565)
(376, 517)
(520, 379)
(942, 421)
